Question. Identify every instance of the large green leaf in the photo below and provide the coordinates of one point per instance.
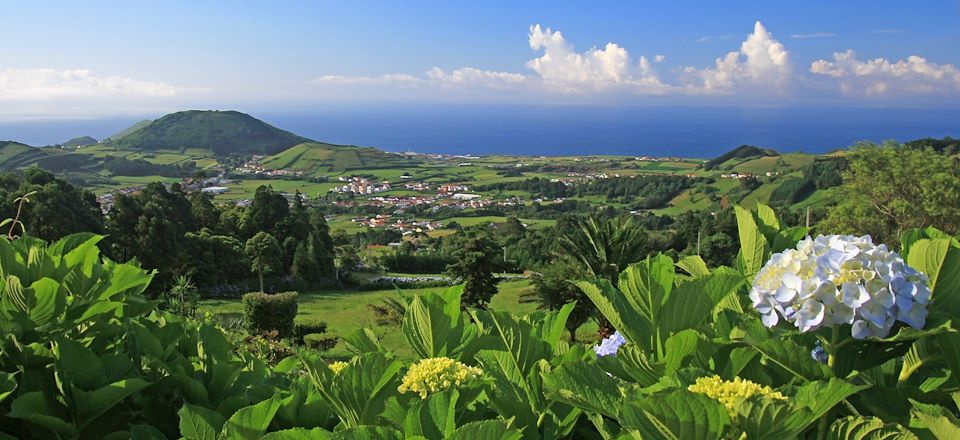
(753, 244)
(517, 337)
(940, 260)
(362, 340)
(367, 432)
(638, 366)
(820, 397)
(359, 393)
(433, 417)
(767, 221)
(33, 407)
(48, 301)
(679, 347)
(585, 386)
(511, 395)
(679, 415)
(249, 423)
(647, 284)
(692, 302)
(299, 434)
(428, 328)
(486, 429)
(791, 357)
(788, 238)
(694, 265)
(199, 423)
(867, 428)
(613, 305)
(91, 405)
(8, 384)
(937, 419)
(554, 324)
(77, 365)
(767, 419)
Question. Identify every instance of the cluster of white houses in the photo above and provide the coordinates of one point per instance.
(359, 185)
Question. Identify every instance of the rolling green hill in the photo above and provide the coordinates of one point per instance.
(738, 155)
(317, 157)
(79, 141)
(223, 132)
(127, 131)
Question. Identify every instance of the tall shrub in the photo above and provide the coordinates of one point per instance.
(264, 312)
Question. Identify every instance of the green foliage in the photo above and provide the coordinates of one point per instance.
(264, 312)
(85, 355)
(264, 253)
(56, 208)
(183, 298)
(476, 259)
(890, 189)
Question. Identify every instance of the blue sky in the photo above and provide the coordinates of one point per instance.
(69, 59)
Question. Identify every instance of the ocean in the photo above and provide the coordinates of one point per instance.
(694, 131)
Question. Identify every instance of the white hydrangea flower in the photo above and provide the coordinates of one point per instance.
(841, 279)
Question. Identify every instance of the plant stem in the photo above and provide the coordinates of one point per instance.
(832, 349)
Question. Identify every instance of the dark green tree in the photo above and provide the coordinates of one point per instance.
(203, 209)
(476, 257)
(553, 288)
(56, 207)
(267, 213)
(206, 253)
(604, 248)
(264, 253)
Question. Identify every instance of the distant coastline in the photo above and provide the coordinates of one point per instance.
(567, 131)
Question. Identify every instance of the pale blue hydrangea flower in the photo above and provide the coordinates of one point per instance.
(841, 279)
(819, 354)
(610, 345)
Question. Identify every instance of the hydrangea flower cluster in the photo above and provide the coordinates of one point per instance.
(610, 345)
(729, 393)
(841, 279)
(437, 374)
(338, 366)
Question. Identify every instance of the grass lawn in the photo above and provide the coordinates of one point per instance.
(345, 311)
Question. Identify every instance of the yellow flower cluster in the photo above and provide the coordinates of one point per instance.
(729, 393)
(437, 374)
(338, 366)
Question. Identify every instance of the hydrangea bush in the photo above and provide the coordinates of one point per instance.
(695, 354)
(732, 392)
(834, 280)
(437, 374)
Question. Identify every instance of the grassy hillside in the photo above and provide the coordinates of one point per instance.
(79, 141)
(738, 155)
(317, 157)
(129, 130)
(223, 132)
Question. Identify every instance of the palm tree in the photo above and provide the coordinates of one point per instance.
(605, 248)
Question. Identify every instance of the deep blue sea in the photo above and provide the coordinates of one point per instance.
(701, 131)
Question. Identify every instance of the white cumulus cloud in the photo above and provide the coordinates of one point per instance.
(50, 84)
(563, 68)
(880, 76)
(762, 61)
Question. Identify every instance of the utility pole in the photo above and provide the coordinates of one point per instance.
(808, 217)
(698, 242)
